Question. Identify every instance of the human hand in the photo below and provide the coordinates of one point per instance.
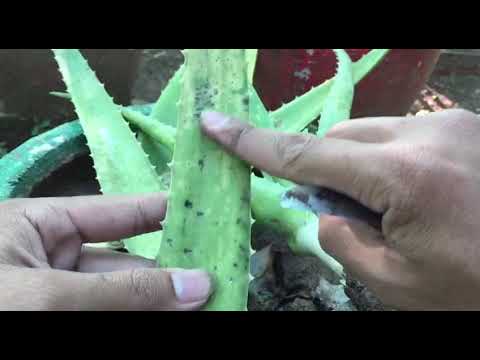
(422, 174)
(44, 264)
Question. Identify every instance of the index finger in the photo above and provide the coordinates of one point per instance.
(93, 218)
(342, 165)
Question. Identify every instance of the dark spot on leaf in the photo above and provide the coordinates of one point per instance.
(238, 221)
(215, 268)
(187, 251)
(201, 164)
(199, 213)
(188, 204)
(184, 226)
(170, 241)
(235, 265)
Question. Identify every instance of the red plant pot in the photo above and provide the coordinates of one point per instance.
(389, 90)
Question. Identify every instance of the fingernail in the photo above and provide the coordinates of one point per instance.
(191, 285)
(213, 120)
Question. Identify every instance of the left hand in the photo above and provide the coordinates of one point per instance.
(44, 264)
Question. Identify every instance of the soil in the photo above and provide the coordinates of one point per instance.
(290, 282)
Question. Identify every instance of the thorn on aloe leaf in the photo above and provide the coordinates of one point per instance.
(62, 95)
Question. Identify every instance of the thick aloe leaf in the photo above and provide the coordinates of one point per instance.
(121, 165)
(208, 221)
(338, 104)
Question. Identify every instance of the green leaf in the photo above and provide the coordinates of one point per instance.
(121, 165)
(299, 113)
(165, 108)
(338, 104)
(251, 55)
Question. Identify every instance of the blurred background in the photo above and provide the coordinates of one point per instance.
(138, 76)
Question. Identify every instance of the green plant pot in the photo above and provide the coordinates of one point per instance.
(55, 163)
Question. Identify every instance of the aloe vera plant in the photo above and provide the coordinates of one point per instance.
(212, 195)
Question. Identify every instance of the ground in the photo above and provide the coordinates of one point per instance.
(289, 282)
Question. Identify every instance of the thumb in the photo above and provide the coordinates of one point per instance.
(359, 248)
(138, 289)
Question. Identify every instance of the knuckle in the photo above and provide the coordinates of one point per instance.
(377, 193)
(396, 225)
(153, 290)
(427, 184)
(412, 169)
(290, 150)
(141, 221)
(236, 136)
(408, 232)
(142, 285)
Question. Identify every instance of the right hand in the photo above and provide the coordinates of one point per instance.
(422, 174)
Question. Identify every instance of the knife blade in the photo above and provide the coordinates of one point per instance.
(321, 200)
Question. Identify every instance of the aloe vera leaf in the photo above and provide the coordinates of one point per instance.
(165, 108)
(258, 114)
(158, 154)
(368, 63)
(159, 130)
(208, 222)
(299, 113)
(158, 151)
(338, 104)
(121, 165)
(164, 112)
(251, 55)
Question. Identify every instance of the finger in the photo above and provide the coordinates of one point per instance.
(362, 251)
(346, 166)
(369, 130)
(104, 260)
(388, 129)
(94, 218)
(133, 290)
